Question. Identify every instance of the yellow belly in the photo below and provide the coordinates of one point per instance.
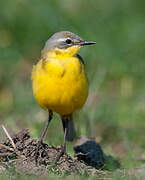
(60, 85)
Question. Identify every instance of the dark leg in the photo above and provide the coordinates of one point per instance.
(40, 142)
(46, 127)
(64, 141)
(65, 123)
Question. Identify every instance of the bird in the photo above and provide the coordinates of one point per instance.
(59, 80)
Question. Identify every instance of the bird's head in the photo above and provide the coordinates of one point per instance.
(64, 43)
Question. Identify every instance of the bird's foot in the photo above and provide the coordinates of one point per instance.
(39, 145)
(61, 153)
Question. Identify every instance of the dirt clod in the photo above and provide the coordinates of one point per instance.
(90, 152)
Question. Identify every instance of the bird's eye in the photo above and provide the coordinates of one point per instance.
(68, 41)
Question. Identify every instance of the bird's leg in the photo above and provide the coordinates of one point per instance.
(40, 142)
(46, 127)
(64, 141)
(65, 133)
(63, 148)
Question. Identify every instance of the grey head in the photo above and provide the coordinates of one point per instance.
(64, 40)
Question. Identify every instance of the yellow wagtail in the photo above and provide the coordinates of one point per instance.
(59, 80)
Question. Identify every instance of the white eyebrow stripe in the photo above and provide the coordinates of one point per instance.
(62, 39)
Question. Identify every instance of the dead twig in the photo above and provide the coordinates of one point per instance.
(6, 147)
(9, 137)
(12, 150)
(12, 143)
(5, 154)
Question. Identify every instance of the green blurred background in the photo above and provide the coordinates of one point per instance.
(115, 111)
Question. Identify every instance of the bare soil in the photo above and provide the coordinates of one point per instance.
(88, 158)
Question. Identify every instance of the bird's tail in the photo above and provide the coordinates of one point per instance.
(68, 124)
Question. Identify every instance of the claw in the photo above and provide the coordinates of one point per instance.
(39, 144)
(62, 152)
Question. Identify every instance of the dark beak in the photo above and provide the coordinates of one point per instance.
(84, 43)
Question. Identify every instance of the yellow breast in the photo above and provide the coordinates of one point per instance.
(60, 84)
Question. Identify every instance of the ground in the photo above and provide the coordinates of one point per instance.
(18, 156)
(88, 156)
